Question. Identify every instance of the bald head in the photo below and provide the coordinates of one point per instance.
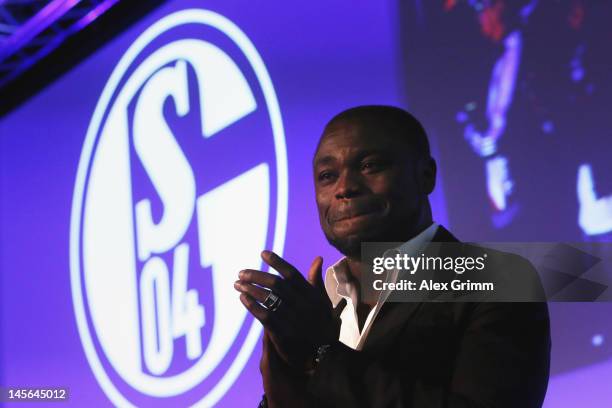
(383, 120)
(373, 173)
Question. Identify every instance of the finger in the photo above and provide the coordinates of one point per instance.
(271, 358)
(278, 340)
(264, 363)
(259, 312)
(264, 279)
(288, 271)
(283, 267)
(315, 276)
(256, 292)
(276, 353)
(269, 355)
(285, 313)
(278, 322)
(266, 340)
(315, 273)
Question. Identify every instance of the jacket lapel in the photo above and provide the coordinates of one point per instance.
(443, 235)
(394, 315)
(338, 309)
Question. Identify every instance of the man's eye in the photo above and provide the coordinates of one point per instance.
(372, 165)
(326, 176)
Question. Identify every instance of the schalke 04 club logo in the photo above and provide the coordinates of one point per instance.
(181, 183)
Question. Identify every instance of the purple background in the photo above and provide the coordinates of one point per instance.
(322, 58)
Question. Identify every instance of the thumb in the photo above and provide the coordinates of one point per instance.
(264, 363)
(315, 273)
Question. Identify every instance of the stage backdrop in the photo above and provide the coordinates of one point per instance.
(135, 187)
(518, 95)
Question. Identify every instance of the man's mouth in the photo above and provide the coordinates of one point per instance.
(354, 212)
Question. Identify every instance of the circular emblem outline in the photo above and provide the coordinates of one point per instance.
(187, 16)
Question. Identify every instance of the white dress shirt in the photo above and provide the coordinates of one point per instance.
(338, 284)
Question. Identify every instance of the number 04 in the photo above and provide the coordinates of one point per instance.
(168, 316)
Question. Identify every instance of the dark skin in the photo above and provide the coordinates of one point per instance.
(370, 185)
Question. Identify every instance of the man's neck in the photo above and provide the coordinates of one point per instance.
(356, 265)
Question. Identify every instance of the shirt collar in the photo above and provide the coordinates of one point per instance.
(338, 280)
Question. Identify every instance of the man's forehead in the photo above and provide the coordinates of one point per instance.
(350, 136)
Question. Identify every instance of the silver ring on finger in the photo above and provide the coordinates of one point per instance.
(272, 301)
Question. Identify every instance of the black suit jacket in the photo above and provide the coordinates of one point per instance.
(441, 355)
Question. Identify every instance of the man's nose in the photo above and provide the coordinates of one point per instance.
(349, 185)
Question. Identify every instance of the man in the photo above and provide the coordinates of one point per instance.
(327, 346)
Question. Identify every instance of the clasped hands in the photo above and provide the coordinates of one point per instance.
(303, 320)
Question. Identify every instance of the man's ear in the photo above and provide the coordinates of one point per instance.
(428, 175)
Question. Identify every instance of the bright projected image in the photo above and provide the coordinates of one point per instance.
(138, 185)
(135, 187)
(145, 197)
(517, 96)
